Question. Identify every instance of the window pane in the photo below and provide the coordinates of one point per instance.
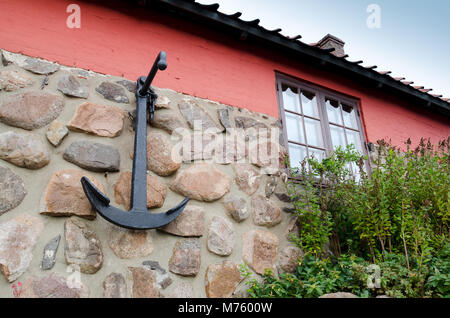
(318, 154)
(354, 138)
(349, 114)
(296, 154)
(313, 132)
(290, 98)
(294, 128)
(309, 104)
(356, 172)
(337, 136)
(333, 111)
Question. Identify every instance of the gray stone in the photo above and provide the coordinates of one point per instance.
(167, 121)
(224, 118)
(48, 261)
(161, 276)
(278, 125)
(236, 208)
(81, 73)
(185, 260)
(154, 265)
(270, 186)
(129, 85)
(248, 178)
(229, 149)
(128, 244)
(288, 210)
(40, 66)
(189, 223)
(114, 286)
(182, 290)
(13, 80)
(12, 190)
(83, 249)
(248, 122)
(56, 132)
(70, 86)
(44, 82)
(283, 197)
(292, 228)
(267, 154)
(24, 150)
(112, 92)
(143, 283)
(197, 146)
(53, 286)
(162, 102)
(18, 237)
(339, 295)
(241, 292)
(288, 259)
(265, 211)
(4, 60)
(220, 236)
(30, 110)
(195, 115)
(93, 156)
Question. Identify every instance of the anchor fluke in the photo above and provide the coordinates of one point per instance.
(135, 220)
(91, 189)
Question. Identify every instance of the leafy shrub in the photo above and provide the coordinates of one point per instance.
(402, 207)
(396, 217)
(314, 277)
(439, 269)
(349, 273)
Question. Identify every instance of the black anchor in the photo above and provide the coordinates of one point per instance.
(138, 217)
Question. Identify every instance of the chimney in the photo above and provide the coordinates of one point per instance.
(330, 41)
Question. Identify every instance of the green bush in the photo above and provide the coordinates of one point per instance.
(396, 216)
(403, 206)
(314, 277)
(348, 273)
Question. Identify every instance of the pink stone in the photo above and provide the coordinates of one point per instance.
(222, 279)
(101, 120)
(259, 250)
(64, 195)
(18, 237)
(189, 223)
(156, 190)
(202, 182)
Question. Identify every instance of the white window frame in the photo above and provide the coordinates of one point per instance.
(321, 95)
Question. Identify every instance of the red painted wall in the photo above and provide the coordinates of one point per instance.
(123, 40)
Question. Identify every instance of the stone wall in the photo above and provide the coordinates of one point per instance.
(58, 124)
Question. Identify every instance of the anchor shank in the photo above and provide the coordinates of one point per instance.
(139, 174)
(138, 217)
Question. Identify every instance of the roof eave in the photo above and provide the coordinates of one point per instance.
(210, 12)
